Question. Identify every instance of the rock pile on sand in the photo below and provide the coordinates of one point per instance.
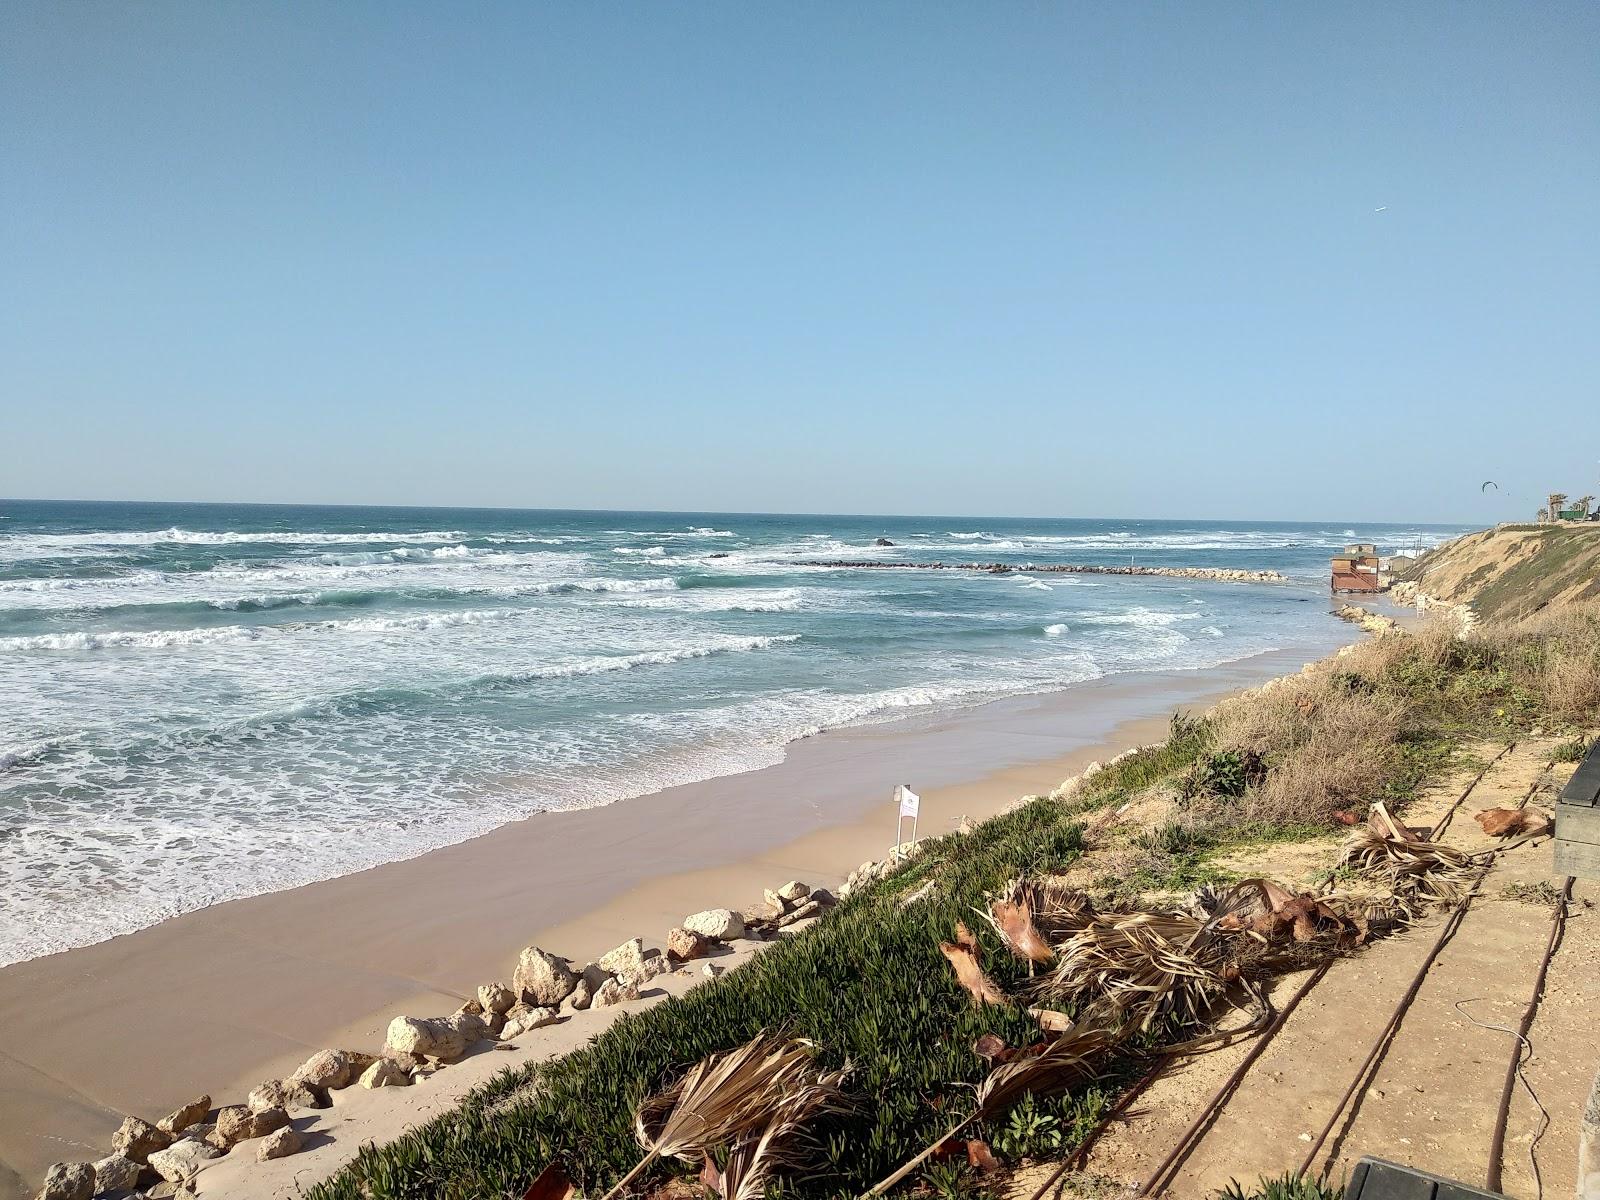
(544, 989)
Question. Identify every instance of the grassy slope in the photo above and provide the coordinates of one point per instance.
(1515, 570)
(869, 984)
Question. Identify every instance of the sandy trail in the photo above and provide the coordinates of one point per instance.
(1432, 1102)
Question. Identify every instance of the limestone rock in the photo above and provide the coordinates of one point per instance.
(652, 967)
(615, 991)
(582, 995)
(138, 1140)
(809, 909)
(794, 891)
(68, 1181)
(280, 1143)
(332, 1069)
(721, 923)
(496, 997)
(183, 1159)
(824, 897)
(307, 1095)
(180, 1119)
(436, 1037)
(524, 1017)
(774, 901)
(271, 1094)
(386, 1072)
(236, 1123)
(711, 970)
(626, 959)
(116, 1174)
(543, 979)
(685, 944)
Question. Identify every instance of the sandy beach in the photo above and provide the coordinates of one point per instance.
(220, 999)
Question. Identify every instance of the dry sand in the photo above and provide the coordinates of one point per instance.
(220, 999)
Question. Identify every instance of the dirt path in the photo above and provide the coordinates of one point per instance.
(1433, 1098)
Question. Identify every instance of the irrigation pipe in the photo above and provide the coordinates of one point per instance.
(1444, 821)
(1380, 1045)
(1157, 1181)
(1497, 1144)
(1081, 1154)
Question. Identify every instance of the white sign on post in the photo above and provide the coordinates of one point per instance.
(909, 804)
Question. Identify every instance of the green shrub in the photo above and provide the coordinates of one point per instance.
(868, 984)
(1284, 1187)
(1572, 751)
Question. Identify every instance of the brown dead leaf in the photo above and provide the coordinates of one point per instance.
(1050, 1020)
(1511, 822)
(552, 1184)
(710, 1176)
(980, 1156)
(989, 1047)
(963, 956)
(1014, 919)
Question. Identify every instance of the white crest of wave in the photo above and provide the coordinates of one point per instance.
(1146, 617)
(649, 658)
(1054, 630)
(228, 537)
(708, 600)
(160, 639)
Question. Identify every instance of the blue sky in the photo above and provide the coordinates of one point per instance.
(1078, 260)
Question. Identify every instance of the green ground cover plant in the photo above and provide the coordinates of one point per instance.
(869, 985)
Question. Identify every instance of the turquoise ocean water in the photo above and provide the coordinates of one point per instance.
(199, 702)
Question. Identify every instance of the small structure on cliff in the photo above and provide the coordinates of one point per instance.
(1356, 570)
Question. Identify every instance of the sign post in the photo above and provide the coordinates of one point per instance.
(907, 804)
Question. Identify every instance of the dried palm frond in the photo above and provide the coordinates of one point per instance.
(964, 958)
(783, 1143)
(1011, 914)
(1139, 967)
(1045, 1069)
(1416, 874)
(1059, 909)
(720, 1101)
(1274, 914)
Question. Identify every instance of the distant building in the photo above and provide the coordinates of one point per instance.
(1395, 564)
(1356, 570)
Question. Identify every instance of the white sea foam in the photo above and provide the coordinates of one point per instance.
(160, 639)
(200, 537)
(520, 670)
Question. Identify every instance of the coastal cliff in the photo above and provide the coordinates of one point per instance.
(1507, 572)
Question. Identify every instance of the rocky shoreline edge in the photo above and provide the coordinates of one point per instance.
(151, 1161)
(1220, 574)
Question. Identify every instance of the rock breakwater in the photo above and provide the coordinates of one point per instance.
(1220, 574)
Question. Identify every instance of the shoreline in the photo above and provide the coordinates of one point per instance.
(224, 997)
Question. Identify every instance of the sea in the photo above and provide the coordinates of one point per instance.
(200, 701)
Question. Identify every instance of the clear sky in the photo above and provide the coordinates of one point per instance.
(1222, 260)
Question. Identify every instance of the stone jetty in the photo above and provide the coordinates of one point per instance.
(1222, 574)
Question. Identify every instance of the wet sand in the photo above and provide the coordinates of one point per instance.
(220, 999)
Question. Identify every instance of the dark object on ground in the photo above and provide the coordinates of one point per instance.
(1578, 820)
(883, 542)
(1376, 1179)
